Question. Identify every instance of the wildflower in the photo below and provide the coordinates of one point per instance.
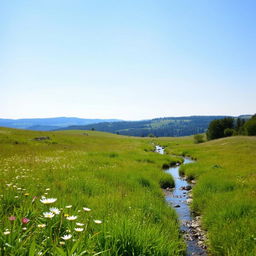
(86, 209)
(62, 243)
(55, 210)
(26, 194)
(66, 237)
(47, 189)
(68, 206)
(16, 197)
(97, 221)
(25, 220)
(41, 225)
(72, 217)
(12, 218)
(48, 215)
(48, 200)
(79, 229)
(24, 229)
(79, 224)
(7, 232)
(66, 215)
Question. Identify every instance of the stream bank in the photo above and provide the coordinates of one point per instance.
(180, 197)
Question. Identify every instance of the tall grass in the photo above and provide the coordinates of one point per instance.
(117, 177)
(225, 192)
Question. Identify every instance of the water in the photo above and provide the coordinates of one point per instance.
(177, 198)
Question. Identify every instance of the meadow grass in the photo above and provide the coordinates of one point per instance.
(105, 190)
(225, 192)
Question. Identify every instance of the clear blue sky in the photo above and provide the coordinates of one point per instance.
(132, 59)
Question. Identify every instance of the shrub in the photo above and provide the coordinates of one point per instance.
(229, 132)
(250, 126)
(198, 138)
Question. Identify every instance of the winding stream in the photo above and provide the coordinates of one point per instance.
(179, 198)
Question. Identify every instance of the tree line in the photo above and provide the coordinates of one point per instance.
(230, 126)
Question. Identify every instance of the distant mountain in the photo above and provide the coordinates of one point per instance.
(47, 124)
(168, 126)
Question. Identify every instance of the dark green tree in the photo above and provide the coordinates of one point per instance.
(250, 126)
(217, 127)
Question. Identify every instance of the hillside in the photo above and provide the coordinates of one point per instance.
(48, 124)
(105, 190)
(160, 127)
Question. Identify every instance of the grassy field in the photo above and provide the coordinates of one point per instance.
(84, 193)
(106, 195)
(225, 193)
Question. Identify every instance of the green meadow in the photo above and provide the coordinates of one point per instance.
(225, 192)
(94, 193)
(84, 193)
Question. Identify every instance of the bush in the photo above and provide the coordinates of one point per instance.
(250, 127)
(229, 132)
(198, 138)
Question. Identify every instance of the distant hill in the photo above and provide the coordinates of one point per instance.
(168, 126)
(47, 124)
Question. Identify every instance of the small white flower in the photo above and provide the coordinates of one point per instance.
(41, 225)
(68, 206)
(55, 210)
(24, 228)
(72, 217)
(86, 209)
(7, 233)
(62, 243)
(47, 189)
(48, 215)
(79, 229)
(97, 221)
(66, 237)
(79, 224)
(48, 200)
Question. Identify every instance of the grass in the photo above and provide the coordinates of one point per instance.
(225, 192)
(117, 177)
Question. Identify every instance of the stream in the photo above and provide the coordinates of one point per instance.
(179, 197)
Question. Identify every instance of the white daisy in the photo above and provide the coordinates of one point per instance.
(97, 221)
(48, 200)
(79, 224)
(55, 210)
(79, 229)
(48, 215)
(71, 217)
(86, 209)
(66, 237)
(68, 206)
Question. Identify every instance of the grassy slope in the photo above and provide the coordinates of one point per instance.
(117, 177)
(225, 193)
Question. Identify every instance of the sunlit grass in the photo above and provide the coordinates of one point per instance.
(225, 192)
(83, 194)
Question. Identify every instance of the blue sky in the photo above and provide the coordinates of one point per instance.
(127, 59)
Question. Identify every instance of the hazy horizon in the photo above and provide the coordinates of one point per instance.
(129, 60)
(121, 119)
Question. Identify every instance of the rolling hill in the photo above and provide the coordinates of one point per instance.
(168, 126)
(47, 124)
